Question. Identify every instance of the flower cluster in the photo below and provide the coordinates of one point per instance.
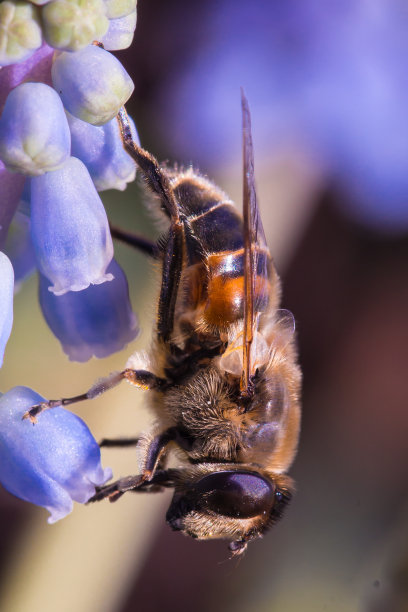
(59, 146)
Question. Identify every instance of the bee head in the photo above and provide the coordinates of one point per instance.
(235, 504)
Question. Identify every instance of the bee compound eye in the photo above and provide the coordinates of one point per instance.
(235, 494)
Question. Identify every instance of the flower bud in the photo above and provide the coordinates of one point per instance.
(20, 31)
(120, 33)
(102, 151)
(74, 24)
(34, 132)
(119, 8)
(92, 83)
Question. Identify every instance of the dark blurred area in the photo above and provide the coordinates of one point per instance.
(327, 86)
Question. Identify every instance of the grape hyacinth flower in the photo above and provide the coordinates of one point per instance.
(95, 322)
(52, 165)
(69, 229)
(6, 302)
(66, 228)
(51, 464)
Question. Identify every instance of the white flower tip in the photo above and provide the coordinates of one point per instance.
(56, 514)
(103, 279)
(57, 290)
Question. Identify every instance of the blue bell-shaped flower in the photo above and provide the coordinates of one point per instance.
(96, 322)
(102, 151)
(69, 229)
(6, 302)
(52, 463)
(34, 133)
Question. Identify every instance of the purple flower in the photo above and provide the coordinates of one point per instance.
(34, 132)
(92, 83)
(50, 464)
(101, 150)
(95, 322)
(69, 229)
(6, 302)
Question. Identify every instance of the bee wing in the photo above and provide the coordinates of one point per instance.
(256, 254)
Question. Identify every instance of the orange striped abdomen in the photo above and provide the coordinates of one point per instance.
(224, 300)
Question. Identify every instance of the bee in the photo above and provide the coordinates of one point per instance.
(222, 370)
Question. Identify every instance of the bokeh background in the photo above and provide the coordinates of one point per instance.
(327, 86)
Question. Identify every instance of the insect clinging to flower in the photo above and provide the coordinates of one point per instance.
(222, 375)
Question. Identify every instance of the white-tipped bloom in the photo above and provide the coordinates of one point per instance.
(96, 322)
(73, 24)
(120, 33)
(34, 132)
(20, 31)
(92, 83)
(69, 229)
(6, 302)
(51, 464)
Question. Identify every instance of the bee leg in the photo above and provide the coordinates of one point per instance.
(160, 184)
(237, 548)
(148, 247)
(171, 272)
(118, 442)
(156, 176)
(154, 453)
(140, 378)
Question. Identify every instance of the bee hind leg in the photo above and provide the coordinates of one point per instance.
(118, 442)
(146, 246)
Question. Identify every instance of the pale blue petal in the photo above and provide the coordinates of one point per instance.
(120, 33)
(96, 322)
(19, 249)
(11, 187)
(102, 151)
(69, 229)
(34, 132)
(6, 302)
(92, 83)
(52, 463)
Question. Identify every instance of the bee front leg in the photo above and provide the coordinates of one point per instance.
(153, 454)
(139, 378)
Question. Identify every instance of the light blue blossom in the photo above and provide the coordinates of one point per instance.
(101, 150)
(95, 322)
(120, 32)
(19, 248)
(92, 83)
(6, 302)
(34, 132)
(69, 229)
(50, 464)
(11, 187)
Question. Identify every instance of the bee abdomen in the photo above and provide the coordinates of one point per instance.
(225, 291)
(215, 249)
